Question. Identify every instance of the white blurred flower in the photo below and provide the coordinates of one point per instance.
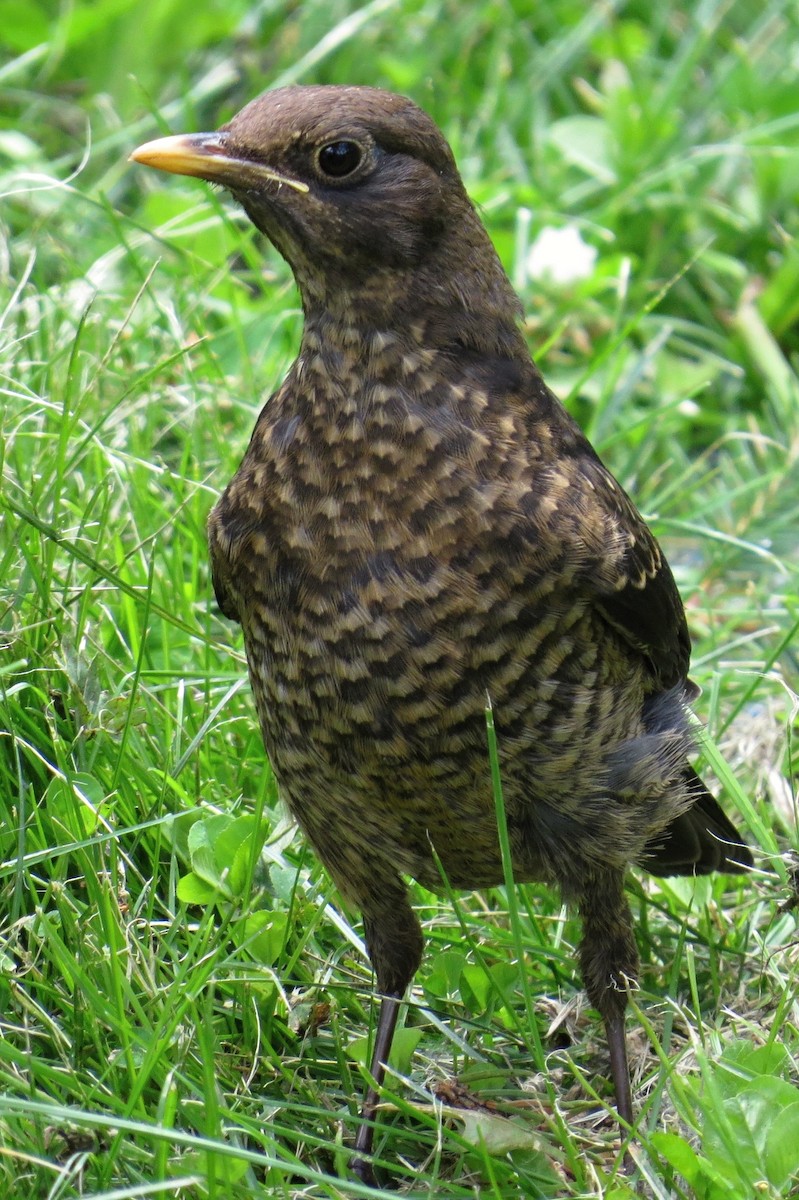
(560, 256)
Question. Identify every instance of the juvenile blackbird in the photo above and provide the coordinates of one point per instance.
(418, 525)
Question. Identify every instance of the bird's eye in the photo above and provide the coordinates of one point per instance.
(339, 159)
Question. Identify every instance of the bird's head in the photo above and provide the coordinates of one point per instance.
(356, 187)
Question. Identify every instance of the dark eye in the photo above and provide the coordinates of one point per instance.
(339, 158)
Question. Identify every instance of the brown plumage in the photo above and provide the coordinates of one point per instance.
(418, 524)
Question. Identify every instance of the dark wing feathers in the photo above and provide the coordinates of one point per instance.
(224, 589)
(635, 589)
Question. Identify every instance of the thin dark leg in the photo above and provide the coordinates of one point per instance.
(387, 1023)
(609, 961)
(619, 1068)
(394, 942)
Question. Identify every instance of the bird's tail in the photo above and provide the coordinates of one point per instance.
(699, 841)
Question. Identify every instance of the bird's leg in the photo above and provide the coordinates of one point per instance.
(387, 1023)
(619, 1067)
(609, 961)
(394, 942)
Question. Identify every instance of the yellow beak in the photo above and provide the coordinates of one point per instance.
(208, 156)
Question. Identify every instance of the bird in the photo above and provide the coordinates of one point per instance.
(418, 528)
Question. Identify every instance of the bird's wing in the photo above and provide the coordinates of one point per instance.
(220, 568)
(631, 582)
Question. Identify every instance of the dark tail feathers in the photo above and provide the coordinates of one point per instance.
(699, 841)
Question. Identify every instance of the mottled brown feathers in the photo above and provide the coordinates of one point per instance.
(418, 524)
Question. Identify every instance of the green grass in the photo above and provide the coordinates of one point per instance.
(181, 999)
